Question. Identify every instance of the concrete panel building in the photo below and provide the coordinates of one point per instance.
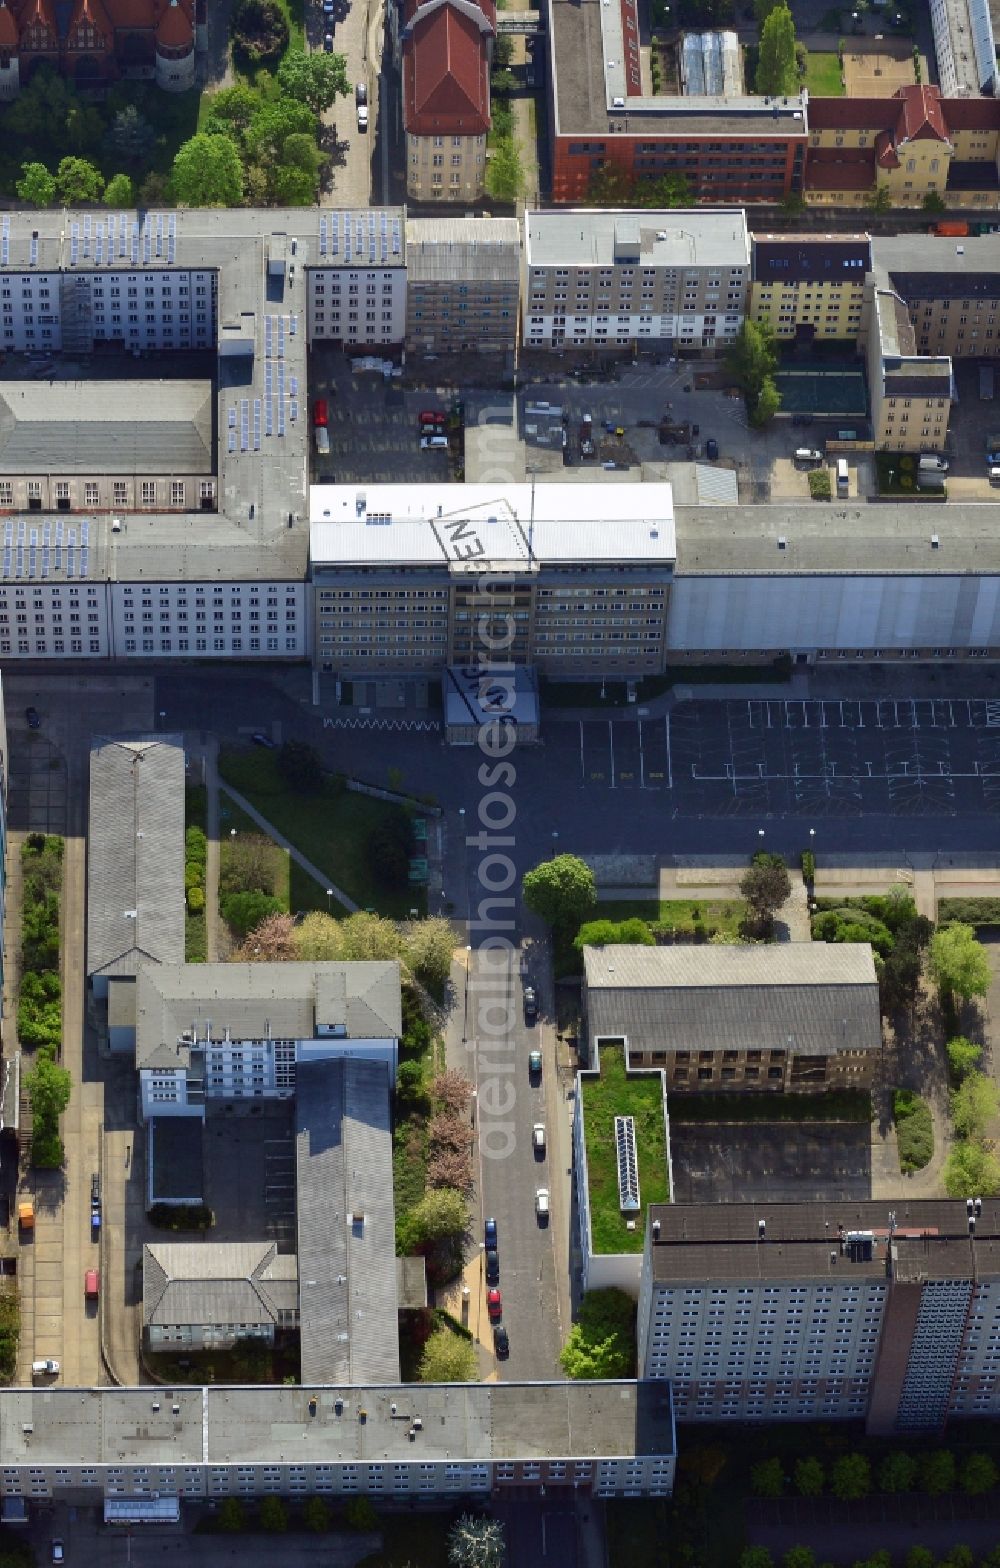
(573, 578)
(616, 278)
(887, 1311)
(798, 1016)
(132, 1452)
(463, 284)
(135, 863)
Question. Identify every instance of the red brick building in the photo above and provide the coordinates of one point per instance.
(98, 41)
(446, 50)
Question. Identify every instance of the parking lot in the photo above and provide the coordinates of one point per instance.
(902, 756)
(374, 426)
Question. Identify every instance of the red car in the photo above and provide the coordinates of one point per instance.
(430, 417)
(494, 1305)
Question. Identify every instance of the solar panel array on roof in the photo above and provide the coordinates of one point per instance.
(628, 1165)
(22, 542)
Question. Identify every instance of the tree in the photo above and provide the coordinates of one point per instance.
(562, 891)
(452, 1089)
(756, 1557)
(231, 1517)
(36, 185)
(504, 170)
(430, 947)
(767, 1478)
(78, 182)
(799, 1557)
(971, 1168)
(291, 186)
(49, 1088)
(318, 939)
(666, 190)
(973, 1105)
(963, 1057)
(250, 863)
(958, 961)
(272, 1515)
(259, 32)
(850, 1477)
(365, 936)
(316, 1515)
(762, 10)
(919, 1557)
(977, 1475)
(300, 766)
(207, 172)
(933, 202)
(360, 1514)
(475, 1542)
(810, 1477)
(119, 191)
(130, 136)
(410, 1086)
(880, 200)
(610, 186)
(601, 1343)
(243, 911)
(937, 1472)
(777, 72)
(299, 151)
(316, 80)
(271, 941)
(231, 110)
(439, 1215)
(897, 1472)
(274, 120)
(765, 885)
(448, 1358)
(767, 404)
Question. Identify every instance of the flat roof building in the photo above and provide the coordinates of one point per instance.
(463, 284)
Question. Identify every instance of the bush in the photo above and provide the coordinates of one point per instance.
(243, 911)
(360, 1514)
(914, 1130)
(272, 1515)
(963, 1057)
(259, 32)
(969, 911)
(195, 899)
(316, 1515)
(808, 866)
(231, 1517)
(820, 487)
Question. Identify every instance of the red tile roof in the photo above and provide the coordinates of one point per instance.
(885, 150)
(852, 114)
(922, 117)
(972, 114)
(8, 28)
(446, 84)
(839, 169)
(174, 28)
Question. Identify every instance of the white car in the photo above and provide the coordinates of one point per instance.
(808, 454)
(542, 1203)
(930, 463)
(538, 1138)
(45, 1368)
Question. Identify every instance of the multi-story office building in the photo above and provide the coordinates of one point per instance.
(730, 147)
(463, 281)
(139, 1451)
(599, 278)
(417, 577)
(798, 1016)
(809, 286)
(444, 49)
(888, 1311)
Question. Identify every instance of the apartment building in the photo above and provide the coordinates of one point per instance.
(809, 287)
(730, 147)
(798, 1016)
(917, 143)
(950, 288)
(910, 392)
(138, 1451)
(594, 278)
(418, 577)
(463, 283)
(445, 51)
(882, 1310)
(239, 1031)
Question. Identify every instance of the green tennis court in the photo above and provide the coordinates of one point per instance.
(815, 390)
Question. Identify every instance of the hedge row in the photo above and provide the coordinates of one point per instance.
(39, 1008)
(195, 865)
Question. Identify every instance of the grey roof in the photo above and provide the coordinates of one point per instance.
(255, 1001)
(123, 427)
(446, 249)
(921, 265)
(204, 1283)
(483, 1422)
(346, 1223)
(593, 237)
(135, 854)
(837, 540)
(723, 1241)
(810, 998)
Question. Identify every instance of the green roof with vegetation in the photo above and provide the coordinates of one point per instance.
(619, 1093)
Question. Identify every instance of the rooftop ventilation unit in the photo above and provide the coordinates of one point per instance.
(628, 1167)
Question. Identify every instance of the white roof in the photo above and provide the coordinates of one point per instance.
(600, 237)
(467, 526)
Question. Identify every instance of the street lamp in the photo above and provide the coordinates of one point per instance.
(232, 832)
(760, 832)
(329, 895)
(163, 715)
(468, 966)
(555, 841)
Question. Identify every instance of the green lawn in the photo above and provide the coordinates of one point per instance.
(838, 1105)
(723, 915)
(331, 829)
(298, 891)
(823, 74)
(613, 1094)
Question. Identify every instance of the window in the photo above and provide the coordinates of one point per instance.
(177, 492)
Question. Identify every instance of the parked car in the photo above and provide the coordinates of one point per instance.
(260, 739)
(492, 1266)
(47, 1368)
(91, 1284)
(33, 718)
(712, 449)
(542, 1205)
(490, 1233)
(530, 1004)
(538, 1137)
(501, 1342)
(930, 463)
(95, 1188)
(808, 454)
(328, 44)
(494, 1304)
(431, 416)
(362, 112)
(535, 1063)
(321, 413)
(360, 93)
(58, 1552)
(436, 443)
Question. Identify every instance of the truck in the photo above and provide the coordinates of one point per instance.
(956, 227)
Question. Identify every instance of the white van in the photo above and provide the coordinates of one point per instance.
(842, 476)
(434, 443)
(322, 437)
